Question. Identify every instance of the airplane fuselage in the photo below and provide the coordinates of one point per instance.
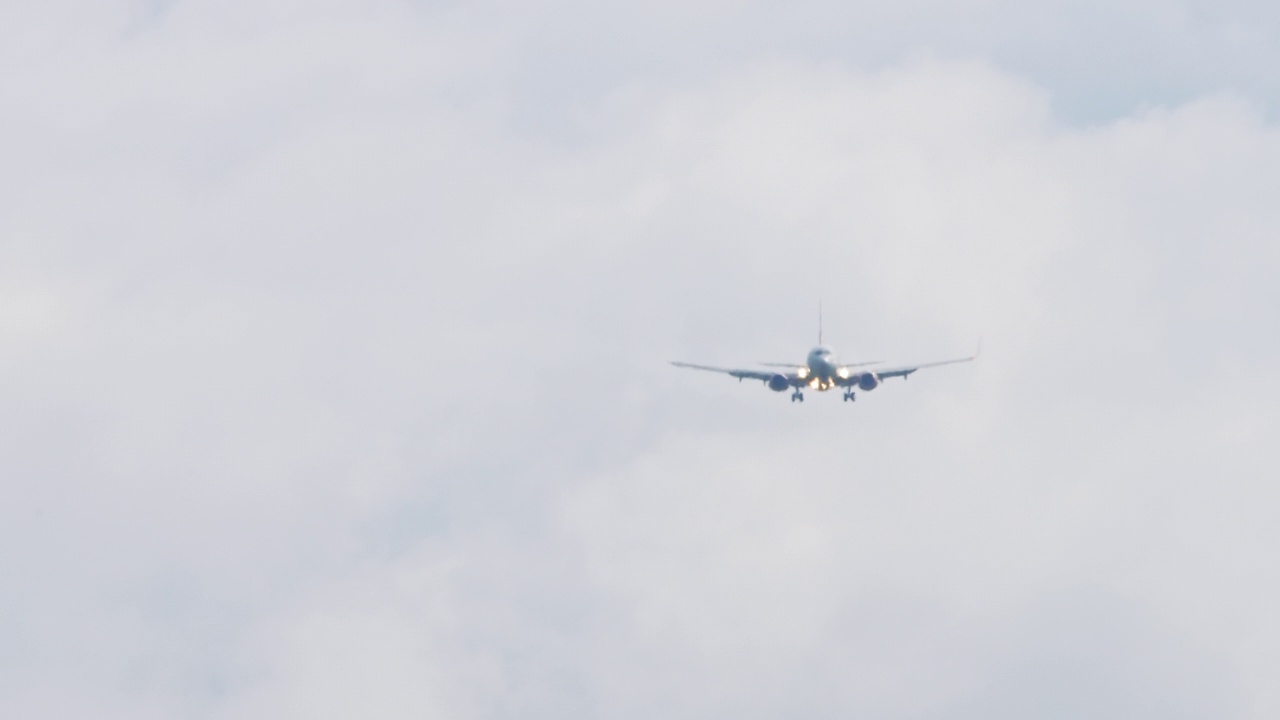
(823, 368)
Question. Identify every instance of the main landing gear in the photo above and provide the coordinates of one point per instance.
(849, 396)
(797, 396)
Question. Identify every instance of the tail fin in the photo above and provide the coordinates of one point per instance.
(819, 321)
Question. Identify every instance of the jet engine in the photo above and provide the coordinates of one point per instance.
(868, 381)
(778, 383)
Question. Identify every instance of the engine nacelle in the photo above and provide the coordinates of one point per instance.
(778, 383)
(868, 382)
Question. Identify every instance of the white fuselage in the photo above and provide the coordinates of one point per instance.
(823, 368)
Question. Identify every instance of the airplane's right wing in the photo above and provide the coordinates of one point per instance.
(764, 375)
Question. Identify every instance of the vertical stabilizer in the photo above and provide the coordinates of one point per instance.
(819, 321)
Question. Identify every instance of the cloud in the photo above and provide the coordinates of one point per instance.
(333, 343)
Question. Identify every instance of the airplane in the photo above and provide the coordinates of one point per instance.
(822, 371)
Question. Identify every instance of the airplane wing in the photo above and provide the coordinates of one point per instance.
(764, 375)
(903, 371)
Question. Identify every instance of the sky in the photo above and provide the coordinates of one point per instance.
(334, 341)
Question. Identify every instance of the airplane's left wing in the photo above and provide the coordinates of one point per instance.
(903, 371)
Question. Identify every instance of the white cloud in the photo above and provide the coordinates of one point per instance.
(335, 383)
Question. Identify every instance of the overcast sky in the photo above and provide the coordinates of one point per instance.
(334, 341)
